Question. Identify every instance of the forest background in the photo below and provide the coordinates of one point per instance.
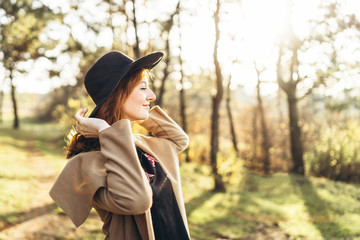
(262, 87)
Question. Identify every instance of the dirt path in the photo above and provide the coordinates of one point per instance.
(39, 220)
(265, 233)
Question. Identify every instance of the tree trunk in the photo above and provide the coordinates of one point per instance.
(182, 90)
(289, 88)
(295, 136)
(136, 47)
(254, 134)
(161, 91)
(283, 141)
(216, 101)
(219, 184)
(264, 131)
(14, 102)
(111, 25)
(231, 122)
(167, 28)
(182, 109)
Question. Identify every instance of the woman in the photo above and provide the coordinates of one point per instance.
(131, 180)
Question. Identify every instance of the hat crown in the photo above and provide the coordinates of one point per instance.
(104, 76)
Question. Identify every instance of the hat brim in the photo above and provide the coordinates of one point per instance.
(147, 62)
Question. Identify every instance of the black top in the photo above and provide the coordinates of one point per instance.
(166, 216)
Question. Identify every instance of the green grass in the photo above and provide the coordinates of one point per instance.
(20, 177)
(299, 207)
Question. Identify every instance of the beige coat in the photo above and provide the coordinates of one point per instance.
(113, 181)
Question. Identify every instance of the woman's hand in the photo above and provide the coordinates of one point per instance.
(89, 127)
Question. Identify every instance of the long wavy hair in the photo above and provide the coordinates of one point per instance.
(110, 111)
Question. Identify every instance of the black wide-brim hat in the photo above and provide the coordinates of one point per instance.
(105, 75)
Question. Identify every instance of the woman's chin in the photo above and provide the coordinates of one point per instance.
(143, 118)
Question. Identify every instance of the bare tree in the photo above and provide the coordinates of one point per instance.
(265, 144)
(281, 123)
(115, 8)
(216, 101)
(167, 26)
(290, 87)
(166, 72)
(254, 138)
(136, 46)
(13, 98)
(230, 117)
(182, 90)
(289, 84)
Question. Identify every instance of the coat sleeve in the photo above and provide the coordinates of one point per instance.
(128, 191)
(74, 188)
(163, 127)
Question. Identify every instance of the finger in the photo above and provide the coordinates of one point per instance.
(77, 115)
(83, 112)
(80, 113)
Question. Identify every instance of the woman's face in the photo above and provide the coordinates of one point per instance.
(136, 106)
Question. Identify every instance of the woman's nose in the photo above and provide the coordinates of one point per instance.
(150, 96)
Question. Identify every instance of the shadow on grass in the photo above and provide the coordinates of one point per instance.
(198, 201)
(15, 218)
(226, 218)
(249, 184)
(317, 207)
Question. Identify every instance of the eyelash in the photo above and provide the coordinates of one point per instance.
(143, 89)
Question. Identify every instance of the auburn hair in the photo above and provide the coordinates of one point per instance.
(110, 111)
